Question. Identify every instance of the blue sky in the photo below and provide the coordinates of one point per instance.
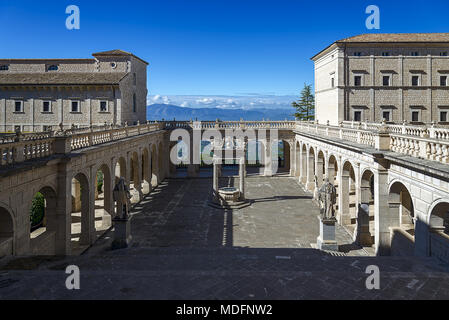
(208, 47)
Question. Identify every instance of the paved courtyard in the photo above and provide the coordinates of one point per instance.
(184, 249)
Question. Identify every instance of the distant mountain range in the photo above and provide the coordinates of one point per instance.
(170, 112)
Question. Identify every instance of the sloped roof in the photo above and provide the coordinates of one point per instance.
(390, 38)
(398, 37)
(98, 78)
(116, 52)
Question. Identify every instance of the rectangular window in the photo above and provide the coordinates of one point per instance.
(415, 53)
(357, 81)
(103, 106)
(443, 81)
(358, 116)
(415, 116)
(134, 103)
(18, 106)
(17, 129)
(47, 128)
(385, 54)
(46, 106)
(386, 115)
(386, 80)
(134, 79)
(443, 116)
(443, 54)
(415, 81)
(75, 106)
(357, 54)
(332, 82)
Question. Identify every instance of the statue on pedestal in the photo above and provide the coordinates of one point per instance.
(327, 197)
(122, 196)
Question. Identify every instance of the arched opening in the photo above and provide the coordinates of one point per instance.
(42, 222)
(439, 232)
(135, 183)
(182, 157)
(401, 217)
(146, 175)
(120, 170)
(347, 199)
(254, 157)
(282, 157)
(6, 233)
(332, 174)
(365, 213)
(154, 167)
(311, 170)
(161, 162)
(82, 223)
(303, 167)
(104, 206)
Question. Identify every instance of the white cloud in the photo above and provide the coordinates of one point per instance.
(227, 102)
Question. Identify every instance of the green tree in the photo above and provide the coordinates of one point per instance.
(305, 106)
(37, 210)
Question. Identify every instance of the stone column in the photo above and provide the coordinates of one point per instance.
(192, 170)
(310, 185)
(382, 211)
(76, 195)
(242, 170)
(215, 184)
(363, 235)
(63, 212)
(268, 161)
(343, 200)
(319, 170)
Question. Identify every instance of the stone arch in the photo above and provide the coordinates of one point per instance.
(43, 231)
(82, 219)
(7, 232)
(135, 175)
(146, 171)
(332, 170)
(303, 163)
(283, 158)
(320, 167)
(347, 195)
(401, 219)
(438, 230)
(154, 166)
(104, 204)
(121, 170)
(161, 161)
(401, 206)
(311, 169)
(365, 212)
(438, 217)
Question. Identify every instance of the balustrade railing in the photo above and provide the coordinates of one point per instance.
(431, 143)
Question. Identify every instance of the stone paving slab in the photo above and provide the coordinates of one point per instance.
(184, 249)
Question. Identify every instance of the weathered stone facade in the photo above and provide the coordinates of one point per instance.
(399, 77)
(38, 95)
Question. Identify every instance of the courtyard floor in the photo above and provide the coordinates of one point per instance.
(184, 249)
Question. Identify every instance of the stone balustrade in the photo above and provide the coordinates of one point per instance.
(431, 143)
(417, 141)
(19, 147)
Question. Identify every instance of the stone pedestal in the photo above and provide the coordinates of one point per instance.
(326, 240)
(122, 233)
